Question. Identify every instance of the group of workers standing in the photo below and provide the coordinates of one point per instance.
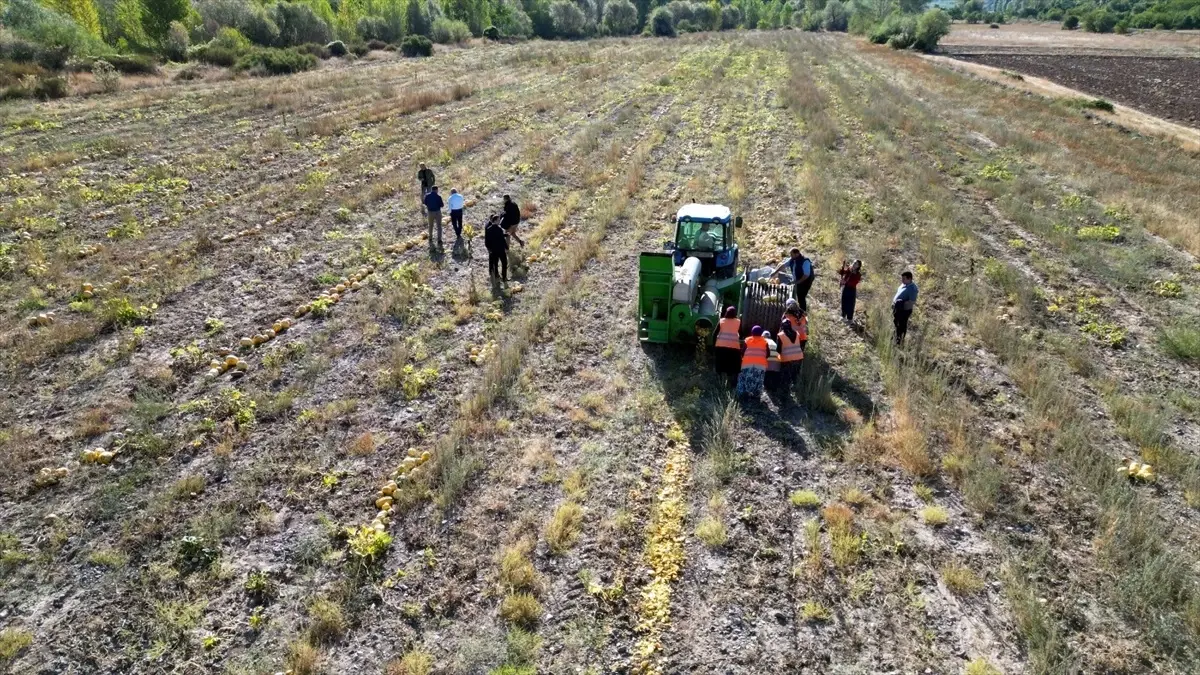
(497, 231)
(768, 361)
(772, 362)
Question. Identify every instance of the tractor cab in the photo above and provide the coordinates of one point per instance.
(706, 232)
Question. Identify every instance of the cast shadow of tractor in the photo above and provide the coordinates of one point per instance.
(696, 394)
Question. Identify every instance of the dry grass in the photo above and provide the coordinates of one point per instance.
(961, 580)
(414, 662)
(516, 570)
(328, 621)
(711, 532)
(805, 499)
(362, 445)
(935, 516)
(304, 659)
(562, 531)
(521, 610)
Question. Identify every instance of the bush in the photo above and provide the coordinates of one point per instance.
(933, 25)
(620, 17)
(189, 73)
(685, 26)
(213, 55)
(20, 50)
(133, 64)
(491, 33)
(896, 25)
(49, 29)
(1071, 22)
(250, 19)
(662, 23)
(1100, 21)
(569, 20)
(106, 76)
(337, 48)
(271, 61)
(809, 21)
(316, 50)
(416, 45)
(177, 42)
(835, 18)
(299, 24)
(231, 39)
(446, 31)
(376, 45)
(1181, 341)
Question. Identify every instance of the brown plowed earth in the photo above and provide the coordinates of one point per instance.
(1163, 86)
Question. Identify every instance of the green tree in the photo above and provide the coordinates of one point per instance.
(158, 15)
(127, 31)
(416, 18)
(620, 17)
(82, 11)
(913, 6)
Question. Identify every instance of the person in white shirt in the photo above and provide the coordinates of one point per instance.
(456, 204)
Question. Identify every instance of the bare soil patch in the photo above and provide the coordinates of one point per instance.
(1041, 36)
(1165, 86)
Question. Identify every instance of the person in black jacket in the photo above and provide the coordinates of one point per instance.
(511, 219)
(496, 243)
(433, 209)
(426, 178)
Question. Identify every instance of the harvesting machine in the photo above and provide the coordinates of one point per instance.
(682, 289)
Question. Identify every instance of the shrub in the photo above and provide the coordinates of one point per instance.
(446, 31)
(662, 23)
(250, 19)
(299, 24)
(19, 50)
(809, 21)
(835, 18)
(177, 42)
(931, 28)
(1071, 22)
(337, 48)
(189, 73)
(51, 87)
(894, 25)
(316, 50)
(416, 45)
(569, 21)
(271, 61)
(376, 45)
(12, 642)
(213, 55)
(133, 64)
(620, 17)
(1100, 21)
(106, 76)
(935, 516)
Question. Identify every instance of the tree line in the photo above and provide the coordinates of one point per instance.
(1097, 16)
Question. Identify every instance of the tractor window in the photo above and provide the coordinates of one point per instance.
(700, 237)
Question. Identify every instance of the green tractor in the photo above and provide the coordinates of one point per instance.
(682, 290)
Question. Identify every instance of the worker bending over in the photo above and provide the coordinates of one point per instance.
(754, 366)
(801, 269)
(791, 353)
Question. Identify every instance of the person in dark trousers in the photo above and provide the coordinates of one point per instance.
(851, 275)
(801, 269)
(496, 243)
(727, 352)
(903, 304)
(425, 177)
(456, 203)
(511, 219)
(433, 207)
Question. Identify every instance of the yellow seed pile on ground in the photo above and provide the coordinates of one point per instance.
(664, 554)
(48, 476)
(1136, 470)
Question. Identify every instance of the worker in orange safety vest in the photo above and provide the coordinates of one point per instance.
(754, 365)
(727, 355)
(791, 353)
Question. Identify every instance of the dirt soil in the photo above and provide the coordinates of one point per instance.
(1039, 37)
(1163, 86)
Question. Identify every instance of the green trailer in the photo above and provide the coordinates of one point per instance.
(682, 289)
